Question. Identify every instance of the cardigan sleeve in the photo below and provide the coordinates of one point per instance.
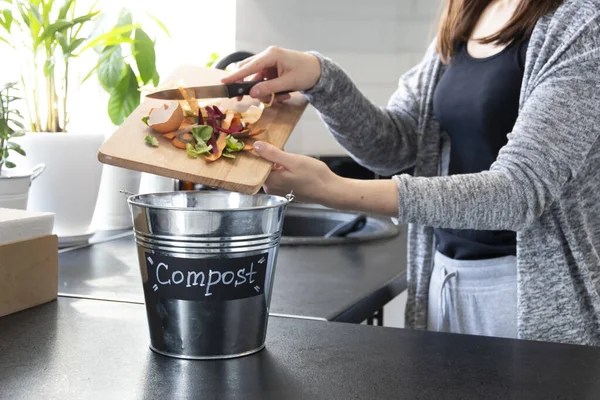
(383, 139)
(558, 126)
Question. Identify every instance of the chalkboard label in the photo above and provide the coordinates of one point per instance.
(206, 279)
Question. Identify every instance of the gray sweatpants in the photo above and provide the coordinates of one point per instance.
(474, 297)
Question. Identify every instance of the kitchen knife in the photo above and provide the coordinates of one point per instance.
(208, 92)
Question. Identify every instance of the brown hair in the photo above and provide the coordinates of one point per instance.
(460, 17)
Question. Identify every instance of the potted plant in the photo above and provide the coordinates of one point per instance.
(123, 70)
(48, 37)
(14, 184)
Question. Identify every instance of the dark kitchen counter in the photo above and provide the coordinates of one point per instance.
(346, 283)
(87, 349)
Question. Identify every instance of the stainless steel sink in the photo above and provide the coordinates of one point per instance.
(308, 225)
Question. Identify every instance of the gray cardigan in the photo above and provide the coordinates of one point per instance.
(545, 183)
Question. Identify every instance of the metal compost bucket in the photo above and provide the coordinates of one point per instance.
(207, 261)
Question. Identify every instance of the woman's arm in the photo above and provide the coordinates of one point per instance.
(312, 181)
(557, 128)
(384, 139)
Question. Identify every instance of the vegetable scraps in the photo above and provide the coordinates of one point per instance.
(151, 140)
(204, 132)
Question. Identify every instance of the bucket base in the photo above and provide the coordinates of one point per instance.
(247, 353)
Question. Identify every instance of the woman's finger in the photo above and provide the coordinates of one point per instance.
(284, 83)
(271, 153)
(258, 76)
(282, 97)
(254, 66)
(245, 61)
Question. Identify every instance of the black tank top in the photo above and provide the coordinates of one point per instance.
(476, 102)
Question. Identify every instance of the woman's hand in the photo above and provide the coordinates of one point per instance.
(285, 70)
(313, 182)
(310, 179)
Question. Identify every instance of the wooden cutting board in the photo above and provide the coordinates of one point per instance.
(245, 174)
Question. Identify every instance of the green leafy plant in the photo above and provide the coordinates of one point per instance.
(212, 59)
(47, 35)
(11, 125)
(125, 65)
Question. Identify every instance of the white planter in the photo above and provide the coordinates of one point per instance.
(112, 211)
(69, 186)
(155, 183)
(14, 186)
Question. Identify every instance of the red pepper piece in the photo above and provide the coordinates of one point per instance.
(213, 142)
(210, 112)
(218, 112)
(232, 130)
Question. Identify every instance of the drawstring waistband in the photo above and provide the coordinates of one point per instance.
(473, 296)
(442, 299)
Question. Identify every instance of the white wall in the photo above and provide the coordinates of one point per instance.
(374, 41)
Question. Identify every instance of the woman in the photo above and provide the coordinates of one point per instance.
(501, 122)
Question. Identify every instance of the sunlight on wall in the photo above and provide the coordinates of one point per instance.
(198, 28)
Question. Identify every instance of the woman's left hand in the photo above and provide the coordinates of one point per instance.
(313, 182)
(310, 179)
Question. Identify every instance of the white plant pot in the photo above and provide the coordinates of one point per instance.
(14, 186)
(155, 183)
(69, 186)
(112, 211)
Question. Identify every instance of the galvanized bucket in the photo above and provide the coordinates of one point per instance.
(207, 261)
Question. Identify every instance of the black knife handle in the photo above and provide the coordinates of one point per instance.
(240, 88)
(243, 88)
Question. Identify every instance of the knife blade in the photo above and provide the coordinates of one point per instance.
(208, 92)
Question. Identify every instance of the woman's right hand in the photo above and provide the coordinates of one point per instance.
(281, 69)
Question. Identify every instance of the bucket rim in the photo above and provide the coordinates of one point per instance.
(134, 201)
